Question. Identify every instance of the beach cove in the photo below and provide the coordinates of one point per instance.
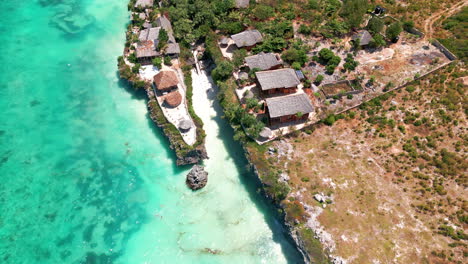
(86, 175)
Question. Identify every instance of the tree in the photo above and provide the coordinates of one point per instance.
(251, 103)
(263, 12)
(312, 4)
(238, 57)
(375, 25)
(319, 79)
(353, 11)
(157, 62)
(136, 68)
(294, 55)
(163, 38)
(167, 61)
(393, 30)
(350, 64)
(222, 71)
(296, 65)
(377, 41)
(327, 57)
(303, 29)
(408, 25)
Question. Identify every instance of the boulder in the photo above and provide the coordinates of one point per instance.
(197, 178)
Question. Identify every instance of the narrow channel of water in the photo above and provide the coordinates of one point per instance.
(85, 175)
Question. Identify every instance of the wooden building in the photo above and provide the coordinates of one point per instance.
(281, 81)
(263, 61)
(165, 81)
(290, 108)
(247, 39)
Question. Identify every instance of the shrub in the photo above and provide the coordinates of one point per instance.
(393, 30)
(330, 120)
(319, 79)
(296, 65)
(222, 71)
(263, 12)
(377, 41)
(157, 62)
(136, 68)
(167, 61)
(303, 29)
(375, 25)
(294, 55)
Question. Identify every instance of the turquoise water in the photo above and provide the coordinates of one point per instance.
(86, 177)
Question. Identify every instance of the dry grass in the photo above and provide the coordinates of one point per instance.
(386, 206)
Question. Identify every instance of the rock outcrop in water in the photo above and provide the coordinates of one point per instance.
(197, 178)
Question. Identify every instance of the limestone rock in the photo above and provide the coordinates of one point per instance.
(197, 178)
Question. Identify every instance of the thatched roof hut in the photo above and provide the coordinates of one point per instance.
(185, 125)
(165, 80)
(173, 99)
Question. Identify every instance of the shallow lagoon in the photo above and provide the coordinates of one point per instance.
(86, 177)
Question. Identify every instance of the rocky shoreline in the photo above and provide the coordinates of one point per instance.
(184, 156)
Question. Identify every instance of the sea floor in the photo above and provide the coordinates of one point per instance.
(86, 177)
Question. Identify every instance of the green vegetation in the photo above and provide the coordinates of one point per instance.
(375, 25)
(353, 12)
(350, 64)
(328, 58)
(163, 38)
(458, 43)
(393, 30)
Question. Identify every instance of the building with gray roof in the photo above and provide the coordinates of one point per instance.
(277, 81)
(173, 49)
(248, 38)
(263, 61)
(289, 108)
(145, 51)
(149, 34)
(363, 36)
(164, 22)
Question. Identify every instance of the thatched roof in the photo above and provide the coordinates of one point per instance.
(185, 124)
(364, 37)
(173, 99)
(146, 49)
(144, 3)
(247, 38)
(242, 3)
(224, 41)
(164, 22)
(262, 61)
(289, 105)
(282, 78)
(165, 80)
(149, 34)
(173, 48)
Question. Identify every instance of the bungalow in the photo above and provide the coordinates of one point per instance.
(173, 48)
(289, 108)
(364, 37)
(146, 51)
(165, 81)
(263, 61)
(247, 39)
(278, 81)
(144, 3)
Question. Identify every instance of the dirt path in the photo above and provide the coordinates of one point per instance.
(429, 23)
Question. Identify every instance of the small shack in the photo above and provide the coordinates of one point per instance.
(364, 38)
(173, 99)
(263, 61)
(277, 81)
(247, 39)
(165, 81)
(291, 108)
(185, 125)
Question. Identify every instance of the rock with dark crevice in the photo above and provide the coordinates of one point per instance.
(197, 178)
